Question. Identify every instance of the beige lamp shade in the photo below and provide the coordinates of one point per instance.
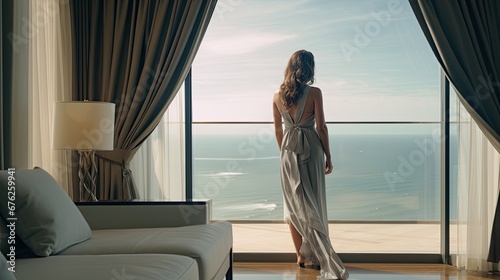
(83, 125)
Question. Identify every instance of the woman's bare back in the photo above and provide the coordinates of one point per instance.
(308, 107)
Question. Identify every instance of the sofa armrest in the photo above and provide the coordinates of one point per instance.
(150, 214)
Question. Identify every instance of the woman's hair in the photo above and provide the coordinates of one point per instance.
(298, 73)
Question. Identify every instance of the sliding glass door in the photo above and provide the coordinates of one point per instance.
(381, 87)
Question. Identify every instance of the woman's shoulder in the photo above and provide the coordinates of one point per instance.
(315, 91)
(277, 100)
(276, 95)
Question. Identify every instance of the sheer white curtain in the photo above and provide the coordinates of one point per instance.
(158, 166)
(50, 68)
(478, 186)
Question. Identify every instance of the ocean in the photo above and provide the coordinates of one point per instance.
(376, 177)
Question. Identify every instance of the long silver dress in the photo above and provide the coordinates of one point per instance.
(303, 184)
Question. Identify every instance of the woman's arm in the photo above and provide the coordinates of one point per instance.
(322, 128)
(278, 124)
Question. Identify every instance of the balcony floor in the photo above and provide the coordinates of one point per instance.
(346, 238)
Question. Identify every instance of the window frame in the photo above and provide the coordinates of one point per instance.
(444, 256)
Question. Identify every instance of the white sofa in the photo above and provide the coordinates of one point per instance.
(123, 241)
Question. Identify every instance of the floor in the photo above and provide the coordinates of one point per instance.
(351, 238)
(289, 271)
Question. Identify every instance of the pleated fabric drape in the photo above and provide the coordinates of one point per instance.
(477, 190)
(50, 68)
(2, 117)
(464, 36)
(135, 54)
(159, 164)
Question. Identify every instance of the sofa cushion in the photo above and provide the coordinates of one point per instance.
(209, 244)
(47, 219)
(108, 267)
(22, 251)
(5, 274)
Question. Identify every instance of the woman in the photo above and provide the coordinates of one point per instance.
(305, 159)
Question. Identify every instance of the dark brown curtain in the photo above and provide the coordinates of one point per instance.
(136, 54)
(6, 54)
(465, 38)
(2, 118)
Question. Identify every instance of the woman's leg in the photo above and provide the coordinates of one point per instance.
(297, 242)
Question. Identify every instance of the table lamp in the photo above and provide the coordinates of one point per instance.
(85, 126)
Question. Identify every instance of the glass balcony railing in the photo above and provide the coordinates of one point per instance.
(382, 172)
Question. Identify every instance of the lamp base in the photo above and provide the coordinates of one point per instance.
(87, 171)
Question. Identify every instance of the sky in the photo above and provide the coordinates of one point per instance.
(372, 60)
